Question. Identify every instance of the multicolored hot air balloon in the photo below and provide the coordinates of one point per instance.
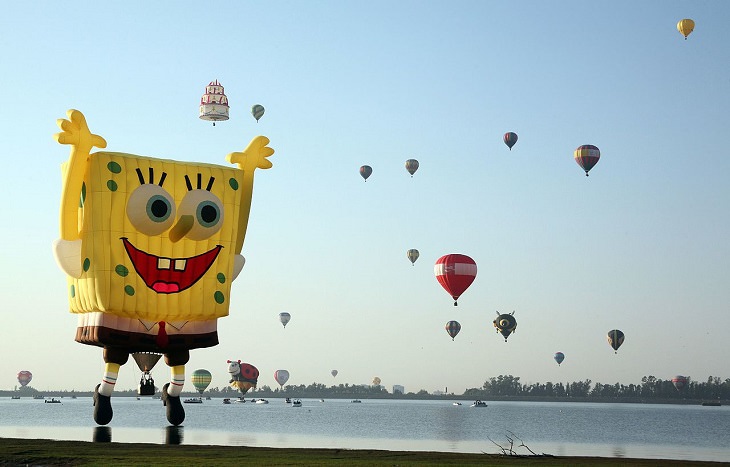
(685, 27)
(257, 111)
(376, 381)
(587, 156)
(412, 255)
(244, 376)
(505, 324)
(284, 318)
(201, 379)
(281, 377)
(615, 339)
(334, 373)
(411, 166)
(679, 382)
(455, 273)
(24, 377)
(453, 328)
(366, 171)
(510, 139)
(559, 357)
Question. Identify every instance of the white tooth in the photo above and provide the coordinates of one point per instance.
(180, 264)
(163, 263)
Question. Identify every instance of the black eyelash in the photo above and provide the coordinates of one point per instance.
(152, 177)
(200, 183)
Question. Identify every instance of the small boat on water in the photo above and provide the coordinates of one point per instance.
(456, 403)
(39, 397)
(15, 397)
(711, 404)
(261, 401)
(52, 401)
(241, 399)
(321, 400)
(226, 401)
(296, 403)
(479, 404)
(193, 400)
(356, 401)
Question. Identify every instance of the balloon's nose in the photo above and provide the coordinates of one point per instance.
(181, 227)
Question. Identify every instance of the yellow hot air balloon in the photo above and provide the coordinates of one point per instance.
(685, 27)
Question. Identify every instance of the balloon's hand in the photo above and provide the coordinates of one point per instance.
(76, 132)
(254, 156)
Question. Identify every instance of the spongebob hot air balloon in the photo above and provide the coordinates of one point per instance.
(150, 248)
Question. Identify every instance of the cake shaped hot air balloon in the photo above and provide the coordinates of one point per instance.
(455, 273)
(214, 103)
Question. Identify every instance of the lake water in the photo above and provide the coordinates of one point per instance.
(559, 428)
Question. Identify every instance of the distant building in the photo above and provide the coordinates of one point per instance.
(398, 389)
(438, 392)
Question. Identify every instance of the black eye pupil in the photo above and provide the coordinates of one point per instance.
(208, 213)
(159, 208)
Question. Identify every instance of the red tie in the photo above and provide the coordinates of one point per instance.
(161, 338)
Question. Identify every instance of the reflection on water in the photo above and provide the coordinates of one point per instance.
(102, 434)
(174, 435)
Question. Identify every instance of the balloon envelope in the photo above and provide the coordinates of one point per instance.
(366, 171)
(455, 273)
(510, 139)
(615, 339)
(201, 379)
(679, 382)
(257, 111)
(376, 381)
(559, 357)
(146, 360)
(284, 317)
(685, 27)
(453, 328)
(24, 377)
(281, 377)
(412, 255)
(333, 373)
(587, 156)
(411, 166)
(505, 324)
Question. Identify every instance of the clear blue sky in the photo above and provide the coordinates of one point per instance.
(641, 245)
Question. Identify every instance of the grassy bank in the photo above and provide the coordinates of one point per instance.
(71, 453)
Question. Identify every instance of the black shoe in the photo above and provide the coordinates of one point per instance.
(175, 411)
(102, 407)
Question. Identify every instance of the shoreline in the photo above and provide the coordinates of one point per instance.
(16, 451)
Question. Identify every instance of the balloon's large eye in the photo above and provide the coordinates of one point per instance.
(151, 209)
(206, 209)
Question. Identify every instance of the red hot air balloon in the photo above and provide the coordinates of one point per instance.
(24, 377)
(455, 273)
(679, 382)
(587, 156)
(510, 139)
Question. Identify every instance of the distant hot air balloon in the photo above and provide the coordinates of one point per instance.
(281, 377)
(146, 361)
(679, 382)
(685, 27)
(505, 324)
(334, 373)
(257, 111)
(376, 381)
(214, 103)
(455, 273)
(201, 379)
(412, 255)
(366, 171)
(24, 377)
(587, 156)
(510, 139)
(453, 328)
(244, 376)
(559, 357)
(284, 317)
(411, 166)
(615, 339)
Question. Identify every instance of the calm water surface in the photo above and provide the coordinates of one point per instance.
(558, 428)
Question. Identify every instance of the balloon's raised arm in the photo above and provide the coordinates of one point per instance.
(252, 158)
(74, 132)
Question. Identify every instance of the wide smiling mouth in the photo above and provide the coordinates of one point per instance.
(169, 275)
